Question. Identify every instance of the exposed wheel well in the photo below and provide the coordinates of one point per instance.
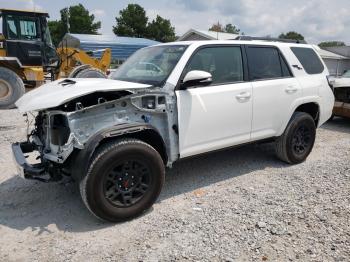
(148, 136)
(311, 109)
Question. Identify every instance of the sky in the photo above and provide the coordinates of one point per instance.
(317, 20)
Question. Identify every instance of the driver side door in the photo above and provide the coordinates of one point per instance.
(218, 115)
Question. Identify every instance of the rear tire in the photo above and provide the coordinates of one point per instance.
(124, 179)
(11, 88)
(90, 73)
(298, 139)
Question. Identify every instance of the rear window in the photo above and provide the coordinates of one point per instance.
(266, 63)
(309, 59)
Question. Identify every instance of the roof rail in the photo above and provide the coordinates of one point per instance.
(245, 37)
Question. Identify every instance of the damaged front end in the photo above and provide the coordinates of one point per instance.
(65, 137)
(37, 148)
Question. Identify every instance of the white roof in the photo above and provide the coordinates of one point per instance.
(211, 35)
(328, 55)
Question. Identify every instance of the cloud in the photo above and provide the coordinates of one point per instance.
(21, 4)
(99, 12)
(317, 20)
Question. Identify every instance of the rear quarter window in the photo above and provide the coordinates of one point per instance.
(309, 59)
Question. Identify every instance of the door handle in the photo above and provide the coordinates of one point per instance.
(291, 89)
(243, 96)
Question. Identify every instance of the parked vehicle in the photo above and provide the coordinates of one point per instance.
(341, 86)
(168, 102)
(27, 56)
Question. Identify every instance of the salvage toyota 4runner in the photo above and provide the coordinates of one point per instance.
(168, 102)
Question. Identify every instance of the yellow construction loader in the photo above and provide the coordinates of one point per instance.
(28, 57)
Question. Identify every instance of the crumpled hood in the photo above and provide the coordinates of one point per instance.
(63, 90)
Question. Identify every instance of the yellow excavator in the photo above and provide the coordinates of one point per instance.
(28, 57)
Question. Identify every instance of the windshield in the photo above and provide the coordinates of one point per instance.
(346, 74)
(151, 65)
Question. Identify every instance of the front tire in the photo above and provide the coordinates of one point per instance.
(124, 179)
(298, 139)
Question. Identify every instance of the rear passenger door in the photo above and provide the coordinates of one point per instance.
(274, 90)
(219, 115)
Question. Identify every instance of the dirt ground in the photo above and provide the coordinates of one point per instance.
(236, 205)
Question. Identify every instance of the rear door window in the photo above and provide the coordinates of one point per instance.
(309, 59)
(266, 63)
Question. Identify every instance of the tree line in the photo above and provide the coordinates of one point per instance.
(134, 22)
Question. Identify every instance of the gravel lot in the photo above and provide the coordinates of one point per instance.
(236, 205)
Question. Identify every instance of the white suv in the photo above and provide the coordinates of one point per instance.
(167, 102)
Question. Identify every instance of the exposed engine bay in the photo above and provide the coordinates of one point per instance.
(60, 133)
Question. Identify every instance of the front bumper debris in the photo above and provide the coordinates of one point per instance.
(25, 169)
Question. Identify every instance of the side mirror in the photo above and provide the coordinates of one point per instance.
(196, 78)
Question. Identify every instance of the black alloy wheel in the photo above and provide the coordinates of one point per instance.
(127, 182)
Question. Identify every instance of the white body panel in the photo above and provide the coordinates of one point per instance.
(272, 103)
(213, 117)
(206, 125)
(54, 94)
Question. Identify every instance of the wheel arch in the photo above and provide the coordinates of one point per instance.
(311, 107)
(145, 133)
(14, 65)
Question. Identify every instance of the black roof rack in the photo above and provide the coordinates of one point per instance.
(249, 38)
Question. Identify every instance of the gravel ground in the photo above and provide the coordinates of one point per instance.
(236, 205)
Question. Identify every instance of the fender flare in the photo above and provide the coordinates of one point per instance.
(298, 103)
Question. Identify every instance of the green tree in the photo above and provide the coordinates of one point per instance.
(331, 44)
(291, 35)
(132, 21)
(229, 28)
(217, 27)
(75, 19)
(232, 29)
(161, 30)
(56, 30)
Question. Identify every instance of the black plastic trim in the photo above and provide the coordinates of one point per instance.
(82, 159)
(18, 150)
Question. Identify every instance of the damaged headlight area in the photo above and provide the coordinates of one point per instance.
(48, 145)
(62, 134)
